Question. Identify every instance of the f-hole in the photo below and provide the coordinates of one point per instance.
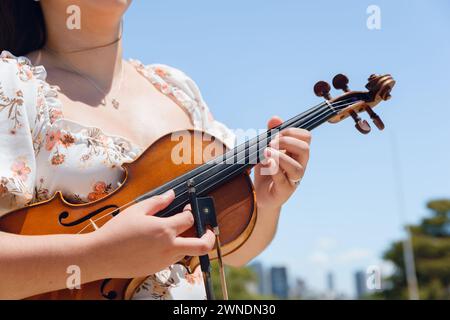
(65, 215)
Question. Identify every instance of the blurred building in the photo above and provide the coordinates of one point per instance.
(279, 282)
(330, 286)
(360, 284)
(299, 290)
(263, 281)
(330, 282)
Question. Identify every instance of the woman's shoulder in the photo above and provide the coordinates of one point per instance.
(18, 70)
(168, 78)
(161, 69)
(17, 87)
(20, 81)
(176, 84)
(27, 102)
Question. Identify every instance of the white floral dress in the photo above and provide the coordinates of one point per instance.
(41, 152)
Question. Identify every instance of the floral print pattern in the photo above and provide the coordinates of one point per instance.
(43, 153)
(40, 192)
(100, 145)
(20, 169)
(175, 282)
(52, 139)
(14, 188)
(100, 189)
(12, 105)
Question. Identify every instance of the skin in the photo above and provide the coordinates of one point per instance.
(149, 243)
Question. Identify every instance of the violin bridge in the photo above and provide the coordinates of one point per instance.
(93, 224)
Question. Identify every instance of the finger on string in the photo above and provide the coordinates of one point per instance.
(181, 222)
(291, 168)
(300, 134)
(196, 246)
(279, 178)
(296, 149)
(157, 203)
(273, 168)
(275, 121)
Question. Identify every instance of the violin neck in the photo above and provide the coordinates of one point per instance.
(243, 157)
(251, 151)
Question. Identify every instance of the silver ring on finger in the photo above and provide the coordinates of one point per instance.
(295, 182)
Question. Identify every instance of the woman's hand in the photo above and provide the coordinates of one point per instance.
(286, 160)
(275, 181)
(135, 243)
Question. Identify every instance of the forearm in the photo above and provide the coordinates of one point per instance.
(263, 233)
(30, 265)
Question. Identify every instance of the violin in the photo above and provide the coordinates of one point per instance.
(220, 173)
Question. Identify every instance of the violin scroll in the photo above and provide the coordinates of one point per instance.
(350, 103)
(381, 85)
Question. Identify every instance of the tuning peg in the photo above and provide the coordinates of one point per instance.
(322, 89)
(375, 118)
(340, 82)
(362, 125)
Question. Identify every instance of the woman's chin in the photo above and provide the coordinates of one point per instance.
(89, 7)
(107, 5)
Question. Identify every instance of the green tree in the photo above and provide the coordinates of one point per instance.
(431, 246)
(238, 281)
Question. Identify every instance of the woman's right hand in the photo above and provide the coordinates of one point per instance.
(135, 243)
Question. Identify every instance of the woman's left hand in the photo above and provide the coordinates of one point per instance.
(277, 177)
(275, 181)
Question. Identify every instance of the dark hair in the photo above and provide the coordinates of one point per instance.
(22, 26)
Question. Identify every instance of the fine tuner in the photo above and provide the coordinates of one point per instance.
(379, 87)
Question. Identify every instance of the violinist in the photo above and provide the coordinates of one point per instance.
(65, 96)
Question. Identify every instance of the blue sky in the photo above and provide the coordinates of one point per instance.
(253, 59)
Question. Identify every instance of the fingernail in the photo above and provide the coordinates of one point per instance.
(272, 142)
(167, 194)
(268, 152)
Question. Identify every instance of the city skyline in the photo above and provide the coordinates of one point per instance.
(297, 288)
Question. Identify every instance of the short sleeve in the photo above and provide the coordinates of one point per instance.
(19, 124)
(185, 92)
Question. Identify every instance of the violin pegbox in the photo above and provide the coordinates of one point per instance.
(351, 103)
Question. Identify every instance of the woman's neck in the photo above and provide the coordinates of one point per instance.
(93, 50)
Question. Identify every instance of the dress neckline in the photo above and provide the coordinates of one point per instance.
(54, 105)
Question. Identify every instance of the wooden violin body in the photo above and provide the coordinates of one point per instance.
(234, 201)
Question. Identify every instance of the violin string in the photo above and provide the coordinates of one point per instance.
(177, 196)
(213, 178)
(310, 123)
(252, 141)
(263, 141)
(331, 105)
(294, 120)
